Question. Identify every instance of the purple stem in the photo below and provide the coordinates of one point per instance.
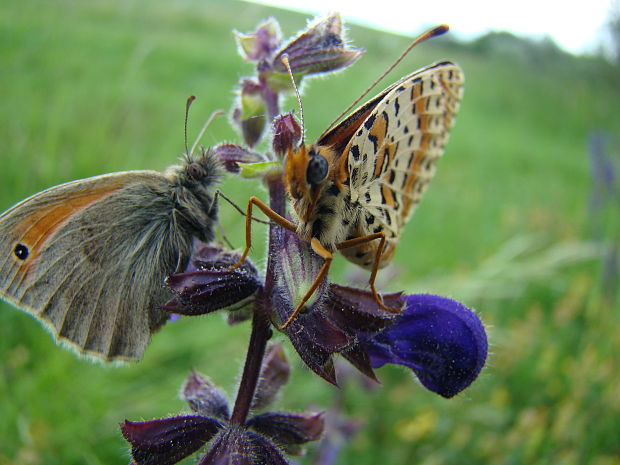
(261, 324)
(261, 332)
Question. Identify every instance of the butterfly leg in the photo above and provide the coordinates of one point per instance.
(375, 267)
(273, 216)
(219, 193)
(328, 257)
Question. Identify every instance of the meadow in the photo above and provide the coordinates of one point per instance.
(515, 225)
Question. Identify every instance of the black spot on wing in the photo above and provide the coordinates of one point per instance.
(387, 217)
(396, 107)
(374, 140)
(354, 175)
(370, 121)
(370, 219)
(355, 151)
(21, 251)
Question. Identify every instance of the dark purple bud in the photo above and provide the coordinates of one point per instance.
(209, 284)
(260, 44)
(288, 428)
(441, 340)
(286, 134)
(231, 155)
(204, 397)
(169, 440)
(320, 48)
(202, 292)
(274, 374)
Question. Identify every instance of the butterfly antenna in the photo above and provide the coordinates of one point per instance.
(285, 62)
(188, 104)
(436, 31)
(213, 115)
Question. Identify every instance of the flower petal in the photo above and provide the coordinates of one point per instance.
(169, 440)
(289, 428)
(231, 155)
(441, 340)
(204, 397)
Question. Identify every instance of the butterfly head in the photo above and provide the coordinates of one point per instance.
(306, 175)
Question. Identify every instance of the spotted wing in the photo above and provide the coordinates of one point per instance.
(392, 156)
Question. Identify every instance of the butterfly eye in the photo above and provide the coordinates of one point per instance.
(196, 171)
(317, 169)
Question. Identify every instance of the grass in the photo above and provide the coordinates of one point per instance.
(94, 87)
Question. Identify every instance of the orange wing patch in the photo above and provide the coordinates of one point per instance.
(34, 230)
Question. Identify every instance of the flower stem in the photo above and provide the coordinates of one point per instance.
(261, 332)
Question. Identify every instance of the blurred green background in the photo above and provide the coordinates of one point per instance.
(514, 225)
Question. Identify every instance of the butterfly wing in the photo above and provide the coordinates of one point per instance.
(393, 155)
(89, 258)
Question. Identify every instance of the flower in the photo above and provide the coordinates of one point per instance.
(261, 440)
(320, 48)
(440, 339)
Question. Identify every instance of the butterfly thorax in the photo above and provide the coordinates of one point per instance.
(317, 182)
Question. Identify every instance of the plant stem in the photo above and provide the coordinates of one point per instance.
(261, 332)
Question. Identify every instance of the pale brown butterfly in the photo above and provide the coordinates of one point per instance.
(89, 258)
(355, 188)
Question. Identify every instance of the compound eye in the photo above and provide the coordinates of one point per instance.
(196, 171)
(317, 169)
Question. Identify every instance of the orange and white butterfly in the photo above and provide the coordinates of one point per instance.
(355, 188)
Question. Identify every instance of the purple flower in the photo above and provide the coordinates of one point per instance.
(441, 340)
(318, 49)
(261, 440)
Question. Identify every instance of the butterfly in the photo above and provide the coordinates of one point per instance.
(89, 258)
(355, 188)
